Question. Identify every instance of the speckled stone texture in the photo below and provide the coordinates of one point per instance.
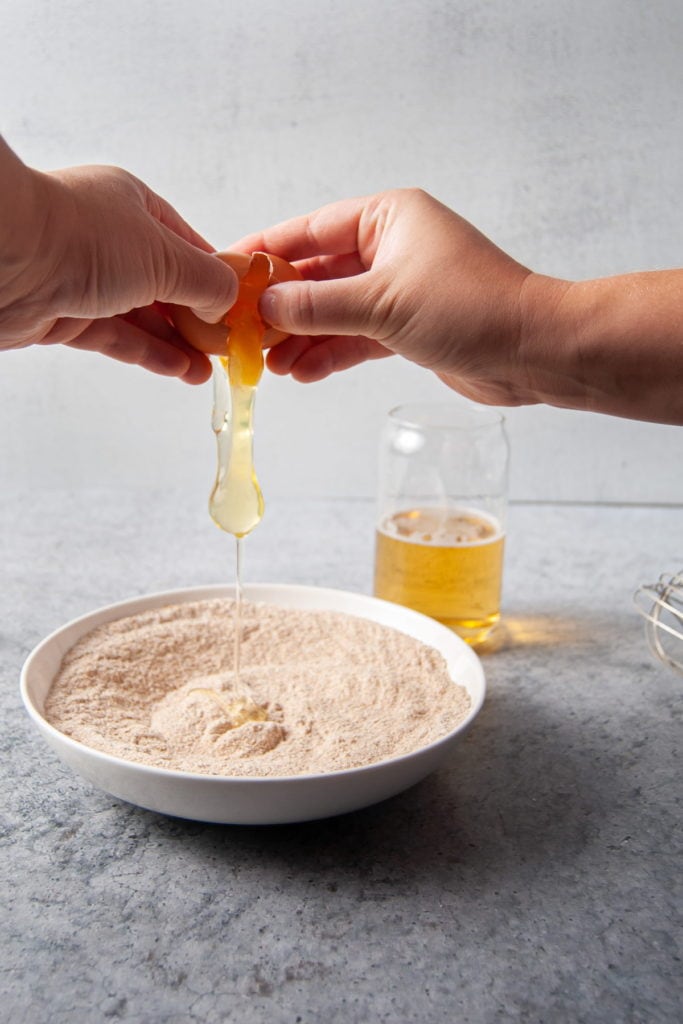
(535, 878)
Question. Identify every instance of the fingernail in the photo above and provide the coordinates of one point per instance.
(209, 316)
(268, 306)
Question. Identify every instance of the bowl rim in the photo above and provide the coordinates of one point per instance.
(157, 599)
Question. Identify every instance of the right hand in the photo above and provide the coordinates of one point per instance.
(397, 273)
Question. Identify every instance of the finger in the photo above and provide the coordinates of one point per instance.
(333, 355)
(322, 356)
(62, 330)
(326, 268)
(86, 334)
(188, 277)
(153, 320)
(281, 358)
(119, 339)
(200, 367)
(167, 215)
(331, 230)
(150, 319)
(343, 306)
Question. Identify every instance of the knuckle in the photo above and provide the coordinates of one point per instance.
(302, 309)
(379, 305)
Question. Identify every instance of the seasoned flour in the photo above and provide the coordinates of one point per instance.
(318, 691)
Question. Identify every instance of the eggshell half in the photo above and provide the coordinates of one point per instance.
(212, 338)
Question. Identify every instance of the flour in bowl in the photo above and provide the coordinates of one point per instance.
(318, 691)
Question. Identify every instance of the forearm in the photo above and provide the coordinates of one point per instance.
(611, 345)
(22, 221)
(13, 177)
(19, 187)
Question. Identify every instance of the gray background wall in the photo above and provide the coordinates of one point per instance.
(556, 128)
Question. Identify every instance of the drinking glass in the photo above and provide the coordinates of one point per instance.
(443, 474)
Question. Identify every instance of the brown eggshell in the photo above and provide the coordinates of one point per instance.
(212, 338)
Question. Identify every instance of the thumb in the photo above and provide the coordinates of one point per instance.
(340, 306)
(196, 279)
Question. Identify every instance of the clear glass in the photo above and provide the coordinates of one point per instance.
(442, 502)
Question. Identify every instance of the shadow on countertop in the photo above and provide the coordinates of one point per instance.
(523, 789)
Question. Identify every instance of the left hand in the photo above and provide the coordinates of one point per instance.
(87, 257)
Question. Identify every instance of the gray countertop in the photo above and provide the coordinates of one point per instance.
(535, 877)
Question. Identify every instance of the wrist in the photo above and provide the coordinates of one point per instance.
(26, 212)
(549, 349)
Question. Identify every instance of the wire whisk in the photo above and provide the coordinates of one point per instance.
(661, 604)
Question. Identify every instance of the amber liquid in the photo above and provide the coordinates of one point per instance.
(446, 563)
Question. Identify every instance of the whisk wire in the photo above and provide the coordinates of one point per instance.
(663, 598)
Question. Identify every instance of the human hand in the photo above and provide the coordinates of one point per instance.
(398, 273)
(88, 256)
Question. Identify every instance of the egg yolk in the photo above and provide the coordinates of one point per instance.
(244, 361)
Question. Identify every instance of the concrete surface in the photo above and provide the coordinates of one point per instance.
(535, 878)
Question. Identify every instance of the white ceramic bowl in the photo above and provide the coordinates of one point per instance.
(253, 801)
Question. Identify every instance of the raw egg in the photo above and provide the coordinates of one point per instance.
(255, 272)
(236, 502)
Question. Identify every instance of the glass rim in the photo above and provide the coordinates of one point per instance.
(445, 416)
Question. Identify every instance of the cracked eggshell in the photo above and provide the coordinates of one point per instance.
(212, 338)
